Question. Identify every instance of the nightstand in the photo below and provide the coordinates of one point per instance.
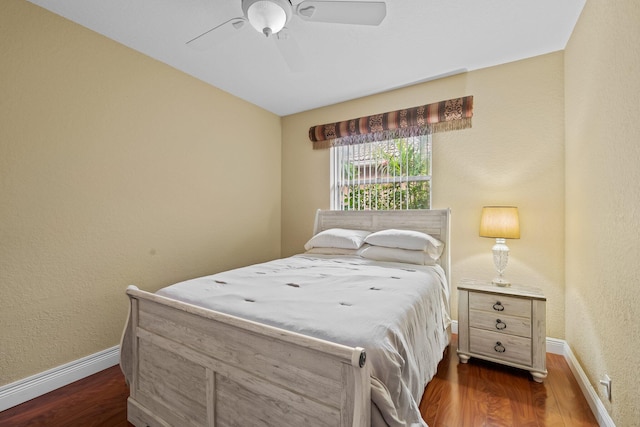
(503, 324)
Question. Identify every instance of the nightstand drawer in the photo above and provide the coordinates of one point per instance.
(500, 346)
(500, 304)
(501, 323)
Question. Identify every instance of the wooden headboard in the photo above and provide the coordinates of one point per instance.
(434, 222)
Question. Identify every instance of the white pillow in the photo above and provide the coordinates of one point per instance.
(381, 253)
(407, 239)
(332, 251)
(337, 238)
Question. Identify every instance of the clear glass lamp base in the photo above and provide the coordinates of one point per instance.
(501, 281)
(500, 259)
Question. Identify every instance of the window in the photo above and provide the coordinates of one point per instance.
(379, 175)
(383, 161)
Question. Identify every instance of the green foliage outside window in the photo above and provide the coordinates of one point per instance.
(406, 162)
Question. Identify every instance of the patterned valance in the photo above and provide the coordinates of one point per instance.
(441, 116)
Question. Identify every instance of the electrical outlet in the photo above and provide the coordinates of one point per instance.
(606, 382)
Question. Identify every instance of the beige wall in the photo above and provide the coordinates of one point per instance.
(603, 200)
(514, 154)
(115, 169)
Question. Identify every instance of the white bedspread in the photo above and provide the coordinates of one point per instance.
(397, 312)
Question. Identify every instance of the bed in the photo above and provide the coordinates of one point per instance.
(305, 340)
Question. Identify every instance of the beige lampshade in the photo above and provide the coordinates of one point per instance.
(500, 222)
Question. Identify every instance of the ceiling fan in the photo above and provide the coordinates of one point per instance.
(270, 17)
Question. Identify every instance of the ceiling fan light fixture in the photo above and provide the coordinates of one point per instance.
(267, 16)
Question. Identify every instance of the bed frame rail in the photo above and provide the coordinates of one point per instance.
(188, 366)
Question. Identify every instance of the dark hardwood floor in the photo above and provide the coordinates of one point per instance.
(460, 395)
(96, 401)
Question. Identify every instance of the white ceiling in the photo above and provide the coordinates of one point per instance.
(419, 40)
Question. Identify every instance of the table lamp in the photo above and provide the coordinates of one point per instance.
(500, 223)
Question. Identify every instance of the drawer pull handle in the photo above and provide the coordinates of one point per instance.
(500, 325)
(498, 306)
(499, 347)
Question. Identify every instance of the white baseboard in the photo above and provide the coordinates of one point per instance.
(558, 346)
(596, 405)
(28, 388)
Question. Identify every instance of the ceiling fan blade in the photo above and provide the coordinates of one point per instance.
(343, 12)
(217, 35)
(290, 50)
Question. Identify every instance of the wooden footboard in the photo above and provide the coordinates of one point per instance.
(188, 366)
